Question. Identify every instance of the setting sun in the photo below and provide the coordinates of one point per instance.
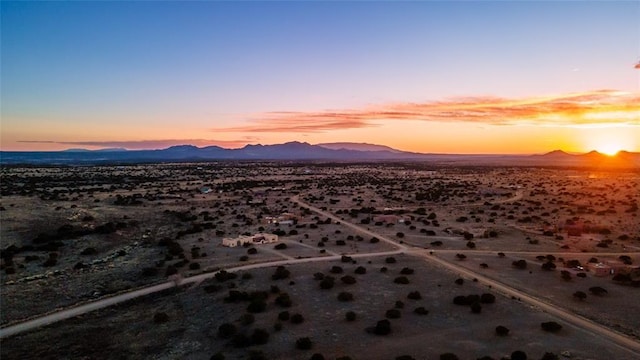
(609, 149)
(609, 140)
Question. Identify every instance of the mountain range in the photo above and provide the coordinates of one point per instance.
(341, 151)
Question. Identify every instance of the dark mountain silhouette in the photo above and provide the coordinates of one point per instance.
(557, 154)
(358, 147)
(305, 151)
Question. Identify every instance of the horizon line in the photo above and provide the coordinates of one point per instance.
(125, 149)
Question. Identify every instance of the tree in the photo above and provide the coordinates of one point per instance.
(626, 259)
(460, 300)
(476, 308)
(549, 356)
(284, 300)
(284, 316)
(348, 280)
(360, 270)
(350, 316)
(502, 330)
(259, 336)
(405, 357)
(226, 330)
(519, 264)
(421, 310)
(345, 296)
(241, 340)
(383, 327)
(304, 343)
(406, 271)
(393, 314)
(548, 266)
(390, 260)
(487, 298)
(247, 319)
(597, 290)
(297, 319)
(257, 303)
(449, 356)
(160, 318)
(217, 356)
(580, 295)
(257, 355)
(461, 256)
(401, 280)
(551, 326)
(327, 283)
(414, 295)
(518, 355)
(171, 270)
(280, 273)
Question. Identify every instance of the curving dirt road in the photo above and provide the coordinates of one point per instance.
(117, 299)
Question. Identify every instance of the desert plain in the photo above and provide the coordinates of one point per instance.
(372, 261)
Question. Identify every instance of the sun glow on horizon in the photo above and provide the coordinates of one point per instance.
(609, 149)
(609, 141)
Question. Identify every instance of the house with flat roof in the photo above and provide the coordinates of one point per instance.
(257, 239)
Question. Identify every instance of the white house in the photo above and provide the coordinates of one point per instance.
(260, 238)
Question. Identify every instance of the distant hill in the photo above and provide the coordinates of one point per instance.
(623, 159)
(358, 147)
(302, 151)
(99, 150)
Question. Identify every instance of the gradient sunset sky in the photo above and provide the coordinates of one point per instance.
(426, 76)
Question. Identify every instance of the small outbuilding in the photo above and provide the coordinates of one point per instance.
(600, 269)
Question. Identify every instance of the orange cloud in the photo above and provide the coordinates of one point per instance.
(300, 122)
(595, 108)
(146, 144)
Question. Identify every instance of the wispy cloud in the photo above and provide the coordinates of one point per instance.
(595, 108)
(147, 144)
(301, 122)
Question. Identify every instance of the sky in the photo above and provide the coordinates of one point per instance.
(466, 77)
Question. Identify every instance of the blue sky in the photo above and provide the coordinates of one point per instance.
(104, 70)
